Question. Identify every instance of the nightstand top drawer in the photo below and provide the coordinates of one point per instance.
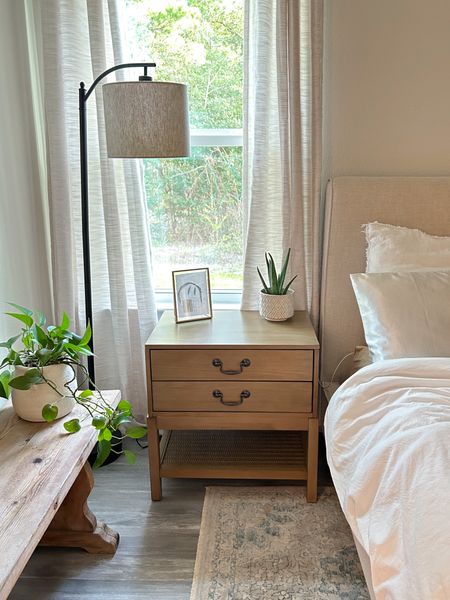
(235, 328)
(219, 396)
(239, 364)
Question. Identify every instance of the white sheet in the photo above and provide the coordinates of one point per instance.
(387, 430)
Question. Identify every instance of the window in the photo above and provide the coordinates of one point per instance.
(195, 208)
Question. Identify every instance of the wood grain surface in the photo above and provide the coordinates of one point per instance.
(75, 525)
(234, 328)
(265, 365)
(39, 462)
(267, 396)
(269, 421)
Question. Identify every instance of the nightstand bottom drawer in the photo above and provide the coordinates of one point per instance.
(242, 396)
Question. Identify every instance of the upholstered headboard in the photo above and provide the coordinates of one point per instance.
(419, 202)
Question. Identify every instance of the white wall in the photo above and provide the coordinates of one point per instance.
(24, 266)
(387, 87)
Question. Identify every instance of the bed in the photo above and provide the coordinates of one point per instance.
(387, 427)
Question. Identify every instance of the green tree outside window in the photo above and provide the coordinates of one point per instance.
(195, 208)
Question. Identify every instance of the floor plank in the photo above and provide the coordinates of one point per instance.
(158, 541)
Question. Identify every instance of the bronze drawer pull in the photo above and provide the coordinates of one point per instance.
(219, 394)
(245, 362)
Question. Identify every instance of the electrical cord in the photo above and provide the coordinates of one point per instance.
(327, 386)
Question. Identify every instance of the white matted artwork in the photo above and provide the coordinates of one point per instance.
(192, 295)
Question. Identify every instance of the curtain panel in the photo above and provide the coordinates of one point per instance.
(80, 39)
(282, 143)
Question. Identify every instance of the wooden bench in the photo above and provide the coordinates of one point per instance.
(45, 481)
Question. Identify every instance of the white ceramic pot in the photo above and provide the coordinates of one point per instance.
(28, 404)
(277, 308)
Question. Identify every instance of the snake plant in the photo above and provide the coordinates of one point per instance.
(276, 286)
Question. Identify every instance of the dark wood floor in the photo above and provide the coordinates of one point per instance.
(158, 541)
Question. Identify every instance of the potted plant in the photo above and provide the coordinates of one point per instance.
(41, 377)
(276, 297)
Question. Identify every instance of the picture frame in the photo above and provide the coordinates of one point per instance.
(192, 295)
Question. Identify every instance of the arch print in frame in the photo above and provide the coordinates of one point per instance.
(191, 295)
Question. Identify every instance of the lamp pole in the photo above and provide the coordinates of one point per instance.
(83, 96)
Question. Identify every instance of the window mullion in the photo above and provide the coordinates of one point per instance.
(216, 137)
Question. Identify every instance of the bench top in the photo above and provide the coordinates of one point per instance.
(38, 464)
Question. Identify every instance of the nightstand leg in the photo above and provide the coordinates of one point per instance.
(154, 459)
(313, 448)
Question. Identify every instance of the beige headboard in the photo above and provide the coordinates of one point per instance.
(419, 202)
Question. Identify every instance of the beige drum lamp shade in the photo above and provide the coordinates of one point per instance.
(146, 119)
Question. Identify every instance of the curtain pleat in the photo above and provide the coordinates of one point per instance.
(282, 143)
(80, 39)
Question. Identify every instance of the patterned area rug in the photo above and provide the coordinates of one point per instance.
(267, 543)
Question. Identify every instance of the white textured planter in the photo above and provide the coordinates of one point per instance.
(277, 308)
(28, 404)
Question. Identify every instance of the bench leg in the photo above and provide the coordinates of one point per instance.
(75, 526)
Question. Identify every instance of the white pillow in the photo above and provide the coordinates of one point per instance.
(405, 314)
(392, 249)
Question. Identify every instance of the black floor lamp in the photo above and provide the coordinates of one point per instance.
(143, 119)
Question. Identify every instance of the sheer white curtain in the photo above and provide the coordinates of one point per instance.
(282, 142)
(80, 39)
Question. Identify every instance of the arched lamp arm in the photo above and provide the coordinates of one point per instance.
(115, 68)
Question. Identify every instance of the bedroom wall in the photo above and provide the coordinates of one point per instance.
(387, 87)
(24, 263)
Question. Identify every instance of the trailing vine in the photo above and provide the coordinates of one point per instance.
(44, 345)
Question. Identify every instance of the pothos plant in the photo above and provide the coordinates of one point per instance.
(42, 345)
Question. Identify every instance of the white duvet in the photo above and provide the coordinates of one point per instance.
(387, 430)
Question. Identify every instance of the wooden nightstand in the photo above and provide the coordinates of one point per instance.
(236, 397)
